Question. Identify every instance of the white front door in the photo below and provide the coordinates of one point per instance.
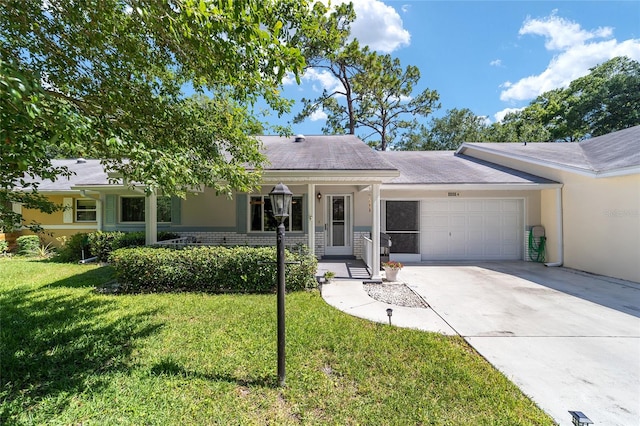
(339, 228)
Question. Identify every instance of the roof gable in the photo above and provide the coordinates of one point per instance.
(611, 154)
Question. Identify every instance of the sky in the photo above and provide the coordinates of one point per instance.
(491, 57)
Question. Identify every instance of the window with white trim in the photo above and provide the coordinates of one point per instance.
(132, 209)
(86, 210)
(261, 214)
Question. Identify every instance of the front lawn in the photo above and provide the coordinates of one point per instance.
(69, 355)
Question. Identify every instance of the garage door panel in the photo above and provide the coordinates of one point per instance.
(492, 206)
(475, 206)
(438, 221)
(511, 206)
(458, 221)
(475, 221)
(435, 206)
(471, 229)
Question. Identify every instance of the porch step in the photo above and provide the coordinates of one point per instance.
(338, 257)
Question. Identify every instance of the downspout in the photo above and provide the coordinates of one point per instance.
(559, 230)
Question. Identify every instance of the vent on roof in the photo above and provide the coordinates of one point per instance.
(81, 160)
(300, 138)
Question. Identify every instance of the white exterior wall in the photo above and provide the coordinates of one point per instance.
(601, 219)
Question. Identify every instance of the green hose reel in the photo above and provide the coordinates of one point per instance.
(537, 243)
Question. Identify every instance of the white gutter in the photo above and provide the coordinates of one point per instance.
(470, 186)
(559, 230)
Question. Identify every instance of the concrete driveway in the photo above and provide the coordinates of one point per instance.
(569, 340)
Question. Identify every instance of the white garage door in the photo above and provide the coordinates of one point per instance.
(465, 229)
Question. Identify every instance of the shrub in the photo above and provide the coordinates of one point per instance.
(103, 243)
(28, 245)
(71, 249)
(4, 247)
(209, 269)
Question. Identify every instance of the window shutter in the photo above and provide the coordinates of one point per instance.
(241, 213)
(176, 204)
(305, 214)
(110, 209)
(67, 213)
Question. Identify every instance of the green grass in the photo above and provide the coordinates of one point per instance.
(69, 355)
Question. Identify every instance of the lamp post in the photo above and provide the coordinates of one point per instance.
(280, 203)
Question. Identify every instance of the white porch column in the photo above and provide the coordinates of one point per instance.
(151, 218)
(375, 232)
(311, 223)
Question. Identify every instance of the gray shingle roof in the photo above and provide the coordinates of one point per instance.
(316, 153)
(341, 152)
(446, 167)
(614, 151)
(89, 172)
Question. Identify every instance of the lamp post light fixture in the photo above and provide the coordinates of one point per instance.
(579, 419)
(389, 313)
(280, 197)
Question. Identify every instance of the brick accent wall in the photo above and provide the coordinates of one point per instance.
(234, 239)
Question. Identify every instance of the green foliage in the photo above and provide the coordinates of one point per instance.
(445, 133)
(603, 101)
(387, 107)
(209, 269)
(4, 247)
(71, 249)
(104, 79)
(375, 94)
(28, 245)
(101, 243)
(44, 251)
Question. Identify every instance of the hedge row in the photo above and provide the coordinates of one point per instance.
(209, 269)
(103, 243)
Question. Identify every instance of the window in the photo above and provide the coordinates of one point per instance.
(261, 214)
(402, 223)
(132, 209)
(86, 210)
(164, 209)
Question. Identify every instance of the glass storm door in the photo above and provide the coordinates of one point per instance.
(339, 227)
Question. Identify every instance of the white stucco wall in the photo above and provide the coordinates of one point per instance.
(601, 219)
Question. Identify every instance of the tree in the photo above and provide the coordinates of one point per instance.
(374, 92)
(385, 103)
(104, 79)
(609, 96)
(447, 132)
(326, 47)
(603, 101)
(515, 127)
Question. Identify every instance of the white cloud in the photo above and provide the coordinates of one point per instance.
(579, 50)
(321, 80)
(560, 33)
(405, 8)
(318, 115)
(499, 116)
(378, 26)
(496, 63)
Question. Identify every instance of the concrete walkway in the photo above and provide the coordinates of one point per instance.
(569, 340)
